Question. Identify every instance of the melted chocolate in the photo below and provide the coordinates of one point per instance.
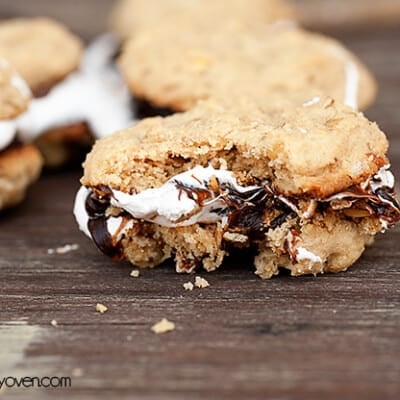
(102, 238)
(281, 219)
(96, 208)
(247, 211)
(381, 203)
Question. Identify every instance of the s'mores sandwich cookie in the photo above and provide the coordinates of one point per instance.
(308, 188)
(130, 17)
(20, 164)
(274, 64)
(78, 93)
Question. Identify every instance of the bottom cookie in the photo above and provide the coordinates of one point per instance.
(20, 165)
(67, 145)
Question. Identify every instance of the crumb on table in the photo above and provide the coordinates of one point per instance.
(163, 326)
(201, 283)
(135, 273)
(63, 249)
(188, 286)
(101, 308)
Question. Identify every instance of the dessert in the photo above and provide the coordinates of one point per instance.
(20, 164)
(307, 187)
(91, 103)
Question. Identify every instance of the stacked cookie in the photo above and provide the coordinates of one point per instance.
(20, 164)
(72, 88)
(44, 53)
(173, 61)
(265, 149)
(75, 95)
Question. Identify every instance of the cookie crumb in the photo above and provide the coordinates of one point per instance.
(101, 308)
(235, 237)
(63, 249)
(188, 286)
(54, 323)
(163, 326)
(214, 184)
(135, 273)
(201, 283)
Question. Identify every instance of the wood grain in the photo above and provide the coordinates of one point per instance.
(331, 337)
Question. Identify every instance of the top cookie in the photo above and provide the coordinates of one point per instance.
(313, 150)
(132, 16)
(178, 68)
(14, 93)
(42, 50)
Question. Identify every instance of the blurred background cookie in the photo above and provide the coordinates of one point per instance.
(78, 93)
(132, 16)
(90, 103)
(20, 164)
(44, 53)
(178, 68)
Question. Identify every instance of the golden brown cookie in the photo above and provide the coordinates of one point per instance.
(14, 93)
(308, 186)
(20, 164)
(42, 51)
(173, 68)
(132, 16)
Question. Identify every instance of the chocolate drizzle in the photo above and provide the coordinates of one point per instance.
(374, 197)
(96, 208)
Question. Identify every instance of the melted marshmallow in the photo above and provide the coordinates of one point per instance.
(304, 254)
(311, 102)
(80, 212)
(8, 128)
(114, 224)
(96, 94)
(351, 91)
(7, 133)
(168, 205)
(383, 178)
(351, 77)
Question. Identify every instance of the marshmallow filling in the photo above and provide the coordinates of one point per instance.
(209, 196)
(95, 94)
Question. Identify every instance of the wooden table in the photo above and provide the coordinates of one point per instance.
(330, 337)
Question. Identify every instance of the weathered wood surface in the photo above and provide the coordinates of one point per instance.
(331, 337)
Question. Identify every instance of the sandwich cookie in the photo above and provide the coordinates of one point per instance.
(20, 164)
(44, 53)
(272, 64)
(132, 16)
(92, 102)
(308, 188)
(77, 94)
